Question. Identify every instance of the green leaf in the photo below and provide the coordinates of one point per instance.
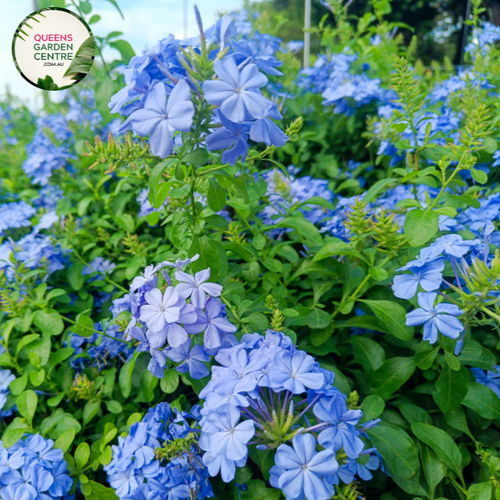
(441, 443)
(114, 406)
(414, 413)
(420, 226)
(425, 359)
(391, 376)
(304, 228)
(97, 490)
(378, 273)
(257, 321)
(18, 385)
(27, 402)
(480, 491)
(154, 177)
(170, 381)
(331, 249)
(398, 451)
(372, 407)
(197, 157)
(393, 316)
(368, 353)
(126, 222)
(90, 410)
(456, 419)
(479, 176)
(208, 255)
(216, 196)
(124, 48)
(125, 377)
(65, 440)
(373, 192)
(84, 58)
(82, 454)
(482, 400)
(452, 388)
(47, 83)
(434, 469)
(318, 318)
(84, 326)
(257, 490)
(49, 321)
(12, 436)
(27, 339)
(75, 276)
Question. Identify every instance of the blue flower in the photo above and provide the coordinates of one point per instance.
(197, 287)
(191, 360)
(449, 244)
(243, 53)
(488, 378)
(295, 372)
(229, 438)
(304, 470)
(160, 309)
(232, 138)
(15, 215)
(429, 277)
(213, 323)
(341, 433)
(236, 92)
(160, 118)
(435, 318)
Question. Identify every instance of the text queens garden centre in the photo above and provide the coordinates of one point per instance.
(45, 50)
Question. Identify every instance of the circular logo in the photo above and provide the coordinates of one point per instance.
(53, 48)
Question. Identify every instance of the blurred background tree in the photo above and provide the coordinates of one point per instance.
(438, 25)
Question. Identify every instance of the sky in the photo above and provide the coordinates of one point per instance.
(146, 22)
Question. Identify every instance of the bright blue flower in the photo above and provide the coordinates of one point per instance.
(236, 91)
(429, 277)
(14, 215)
(441, 317)
(232, 138)
(243, 53)
(191, 360)
(304, 469)
(161, 117)
(213, 323)
(43, 157)
(229, 437)
(197, 287)
(295, 372)
(48, 198)
(450, 244)
(342, 432)
(488, 378)
(266, 131)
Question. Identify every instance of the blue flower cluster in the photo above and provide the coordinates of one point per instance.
(287, 192)
(163, 319)
(265, 392)
(6, 377)
(32, 469)
(33, 251)
(101, 348)
(14, 215)
(157, 98)
(333, 78)
(426, 272)
(48, 197)
(160, 458)
(482, 39)
(44, 157)
(488, 378)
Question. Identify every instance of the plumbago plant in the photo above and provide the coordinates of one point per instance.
(186, 316)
